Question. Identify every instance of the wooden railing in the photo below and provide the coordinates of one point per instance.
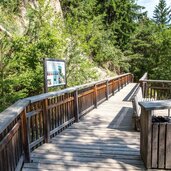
(155, 89)
(33, 121)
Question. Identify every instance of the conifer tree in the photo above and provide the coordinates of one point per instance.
(162, 13)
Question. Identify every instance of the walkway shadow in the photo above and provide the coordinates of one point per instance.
(94, 149)
(123, 120)
(131, 93)
(93, 152)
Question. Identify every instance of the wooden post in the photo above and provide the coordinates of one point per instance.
(118, 84)
(132, 78)
(46, 121)
(95, 96)
(121, 85)
(107, 89)
(25, 137)
(113, 87)
(76, 109)
(145, 138)
(45, 75)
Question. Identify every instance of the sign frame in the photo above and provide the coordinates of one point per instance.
(45, 60)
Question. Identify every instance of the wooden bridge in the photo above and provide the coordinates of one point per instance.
(102, 140)
(87, 127)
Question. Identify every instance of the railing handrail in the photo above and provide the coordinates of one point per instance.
(9, 114)
(71, 89)
(155, 89)
(157, 81)
(30, 122)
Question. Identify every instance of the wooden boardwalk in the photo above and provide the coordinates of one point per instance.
(103, 140)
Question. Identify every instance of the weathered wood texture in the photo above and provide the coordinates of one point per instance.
(156, 89)
(44, 116)
(155, 137)
(102, 140)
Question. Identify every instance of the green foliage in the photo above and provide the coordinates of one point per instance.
(162, 69)
(162, 13)
(79, 67)
(86, 22)
(111, 34)
(21, 57)
(121, 17)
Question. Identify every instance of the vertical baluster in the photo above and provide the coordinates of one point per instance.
(107, 89)
(95, 96)
(118, 84)
(46, 121)
(113, 87)
(76, 109)
(25, 138)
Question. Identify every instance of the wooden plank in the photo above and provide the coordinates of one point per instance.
(86, 93)
(98, 134)
(101, 148)
(9, 136)
(161, 153)
(95, 96)
(77, 168)
(20, 164)
(88, 155)
(46, 164)
(168, 146)
(34, 112)
(25, 138)
(46, 121)
(98, 143)
(148, 134)
(93, 159)
(104, 136)
(8, 116)
(107, 90)
(97, 151)
(61, 102)
(155, 145)
(36, 142)
(154, 105)
(76, 106)
(62, 126)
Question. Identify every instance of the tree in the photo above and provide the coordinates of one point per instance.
(162, 13)
(121, 17)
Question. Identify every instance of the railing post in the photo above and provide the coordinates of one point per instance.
(25, 137)
(143, 86)
(121, 82)
(95, 96)
(46, 121)
(118, 84)
(124, 78)
(113, 87)
(132, 78)
(76, 109)
(107, 89)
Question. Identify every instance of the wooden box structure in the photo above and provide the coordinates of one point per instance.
(155, 138)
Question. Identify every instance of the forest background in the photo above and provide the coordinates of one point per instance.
(93, 36)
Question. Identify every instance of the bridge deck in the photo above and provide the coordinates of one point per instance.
(102, 141)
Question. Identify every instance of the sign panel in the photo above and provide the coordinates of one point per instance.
(55, 72)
